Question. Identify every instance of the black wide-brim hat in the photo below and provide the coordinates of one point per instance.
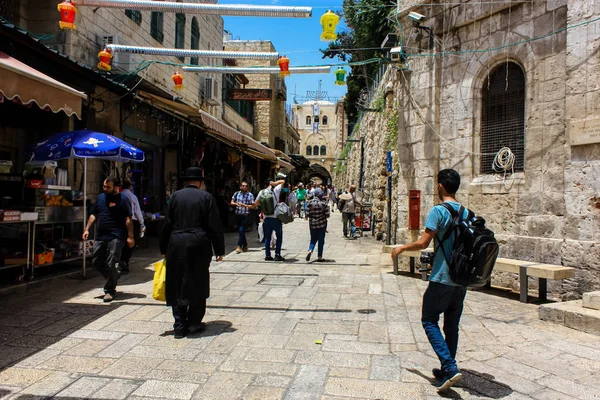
(193, 174)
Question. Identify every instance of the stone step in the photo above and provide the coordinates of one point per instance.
(572, 314)
(591, 300)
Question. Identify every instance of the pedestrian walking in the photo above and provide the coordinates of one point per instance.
(318, 212)
(348, 204)
(267, 199)
(115, 228)
(442, 295)
(192, 231)
(333, 198)
(138, 226)
(243, 200)
(301, 197)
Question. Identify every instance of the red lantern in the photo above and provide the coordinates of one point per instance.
(284, 66)
(177, 80)
(105, 57)
(67, 15)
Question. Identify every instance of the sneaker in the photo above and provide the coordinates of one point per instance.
(238, 249)
(268, 258)
(448, 381)
(321, 260)
(245, 248)
(308, 255)
(438, 374)
(108, 298)
(279, 258)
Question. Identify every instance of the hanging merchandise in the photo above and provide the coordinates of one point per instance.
(340, 76)
(177, 80)
(329, 22)
(284, 66)
(105, 58)
(67, 15)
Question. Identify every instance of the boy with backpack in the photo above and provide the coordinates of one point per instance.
(450, 266)
(267, 200)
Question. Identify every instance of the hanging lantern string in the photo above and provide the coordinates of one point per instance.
(155, 51)
(321, 69)
(241, 10)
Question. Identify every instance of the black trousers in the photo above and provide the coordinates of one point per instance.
(128, 251)
(188, 316)
(105, 259)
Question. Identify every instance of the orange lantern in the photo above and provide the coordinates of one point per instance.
(284, 66)
(177, 80)
(105, 56)
(67, 15)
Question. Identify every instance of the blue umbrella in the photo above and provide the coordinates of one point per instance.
(86, 144)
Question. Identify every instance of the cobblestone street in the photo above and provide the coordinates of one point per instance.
(347, 328)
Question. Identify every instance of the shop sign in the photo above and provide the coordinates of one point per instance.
(585, 132)
(249, 94)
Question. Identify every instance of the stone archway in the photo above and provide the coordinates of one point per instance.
(319, 171)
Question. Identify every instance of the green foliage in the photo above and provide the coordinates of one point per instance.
(368, 23)
(342, 166)
(391, 131)
(378, 103)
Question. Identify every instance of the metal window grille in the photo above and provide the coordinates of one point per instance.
(156, 26)
(134, 15)
(503, 115)
(195, 43)
(180, 33)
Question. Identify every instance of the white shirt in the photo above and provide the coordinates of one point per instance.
(135, 205)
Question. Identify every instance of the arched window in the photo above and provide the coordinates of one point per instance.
(325, 120)
(315, 150)
(309, 150)
(195, 43)
(180, 32)
(503, 115)
(308, 120)
(323, 150)
(317, 119)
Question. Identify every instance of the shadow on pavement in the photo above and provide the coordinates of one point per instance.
(475, 383)
(211, 328)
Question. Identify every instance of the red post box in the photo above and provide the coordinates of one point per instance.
(414, 209)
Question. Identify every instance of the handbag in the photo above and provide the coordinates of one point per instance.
(159, 287)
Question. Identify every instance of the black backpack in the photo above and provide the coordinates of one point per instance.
(475, 249)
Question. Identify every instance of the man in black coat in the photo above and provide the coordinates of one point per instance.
(192, 230)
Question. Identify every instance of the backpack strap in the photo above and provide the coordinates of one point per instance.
(456, 218)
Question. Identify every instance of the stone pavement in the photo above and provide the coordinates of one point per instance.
(345, 329)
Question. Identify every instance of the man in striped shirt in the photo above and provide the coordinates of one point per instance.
(318, 212)
(242, 200)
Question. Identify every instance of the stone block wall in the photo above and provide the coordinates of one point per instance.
(551, 211)
(84, 43)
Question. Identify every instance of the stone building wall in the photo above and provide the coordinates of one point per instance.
(551, 211)
(83, 44)
(270, 120)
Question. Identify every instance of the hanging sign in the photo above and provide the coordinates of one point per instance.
(249, 94)
(388, 162)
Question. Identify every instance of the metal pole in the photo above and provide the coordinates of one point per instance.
(389, 209)
(362, 162)
(84, 209)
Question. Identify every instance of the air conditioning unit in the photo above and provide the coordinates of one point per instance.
(211, 90)
(121, 61)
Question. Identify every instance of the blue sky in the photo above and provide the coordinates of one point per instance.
(297, 38)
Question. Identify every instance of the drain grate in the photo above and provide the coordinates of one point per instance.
(281, 281)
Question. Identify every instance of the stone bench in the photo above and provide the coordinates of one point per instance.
(525, 269)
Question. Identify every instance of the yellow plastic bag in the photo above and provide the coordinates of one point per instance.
(159, 289)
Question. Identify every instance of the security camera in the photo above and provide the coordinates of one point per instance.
(396, 54)
(415, 16)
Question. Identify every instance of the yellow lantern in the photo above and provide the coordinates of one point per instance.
(105, 56)
(177, 80)
(340, 76)
(329, 22)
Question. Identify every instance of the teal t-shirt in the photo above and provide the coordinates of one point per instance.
(439, 220)
(300, 194)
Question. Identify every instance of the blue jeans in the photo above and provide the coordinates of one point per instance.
(349, 218)
(271, 225)
(241, 221)
(438, 299)
(317, 235)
